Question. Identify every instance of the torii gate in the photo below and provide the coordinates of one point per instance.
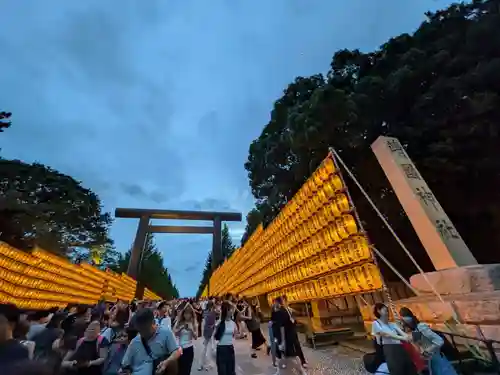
(144, 227)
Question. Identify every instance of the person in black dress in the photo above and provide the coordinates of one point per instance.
(252, 320)
(287, 338)
(198, 311)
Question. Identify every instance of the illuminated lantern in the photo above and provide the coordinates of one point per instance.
(342, 203)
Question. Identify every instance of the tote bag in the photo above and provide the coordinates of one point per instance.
(416, 357)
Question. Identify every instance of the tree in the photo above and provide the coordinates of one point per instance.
(226, 243)
(207, 273)
(152, 274)
(4, 121)
(227, 250)
(42, 206)
(436, 90)
(254, 219)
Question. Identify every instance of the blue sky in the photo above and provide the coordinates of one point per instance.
(154, 103)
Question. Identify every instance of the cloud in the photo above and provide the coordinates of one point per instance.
(155, 103)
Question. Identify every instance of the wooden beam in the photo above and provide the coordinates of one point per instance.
(131, 213)
(180, 229)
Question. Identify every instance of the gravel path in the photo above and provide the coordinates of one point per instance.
(327, 361)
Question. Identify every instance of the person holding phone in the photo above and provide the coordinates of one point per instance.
(153, 351)
(186, 330)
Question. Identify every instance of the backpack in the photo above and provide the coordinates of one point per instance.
(372, 361)
(100, 339)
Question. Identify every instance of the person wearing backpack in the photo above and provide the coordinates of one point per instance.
(90, 353)
(118, 341)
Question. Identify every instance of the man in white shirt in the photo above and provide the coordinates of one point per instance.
(164, 315)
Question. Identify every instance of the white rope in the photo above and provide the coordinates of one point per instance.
(385, 289)
(386, 223)
(386, 261)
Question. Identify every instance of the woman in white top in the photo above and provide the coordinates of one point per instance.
(390, 336)
(185, 329)
(224, 335)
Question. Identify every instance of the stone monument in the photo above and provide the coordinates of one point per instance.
(470, 291)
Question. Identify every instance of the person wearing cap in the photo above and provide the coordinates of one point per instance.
(153, 350)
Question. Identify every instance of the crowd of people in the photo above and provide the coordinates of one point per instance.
(144, 337)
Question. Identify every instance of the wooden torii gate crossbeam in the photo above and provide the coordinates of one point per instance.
(144, 227)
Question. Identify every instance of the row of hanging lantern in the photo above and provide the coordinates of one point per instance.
(261, 241)
(313, 235)
(360, 279)
(40, 280)
(281, 274)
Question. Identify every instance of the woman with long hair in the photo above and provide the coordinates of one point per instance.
(209, 320)
(285, 336)
(428, 342)
(241, 306)
(253, 324)
(224, 335)
(390, 336)
(187, 331)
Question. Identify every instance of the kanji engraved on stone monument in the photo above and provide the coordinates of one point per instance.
(427, 198)
(396, 148)
(446, 230)
(410, 171)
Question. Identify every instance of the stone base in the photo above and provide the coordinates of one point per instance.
(473, 293)
(461, 280)
(478, 312)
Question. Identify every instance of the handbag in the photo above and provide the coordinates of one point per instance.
(416, 357)
(172, 369)
(372, 361)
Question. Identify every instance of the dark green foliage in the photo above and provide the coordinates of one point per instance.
(152, 274)
(437, 90)
(41, 206)
(227, 250)
(254, 219)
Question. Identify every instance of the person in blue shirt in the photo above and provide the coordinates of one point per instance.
(153, 350)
